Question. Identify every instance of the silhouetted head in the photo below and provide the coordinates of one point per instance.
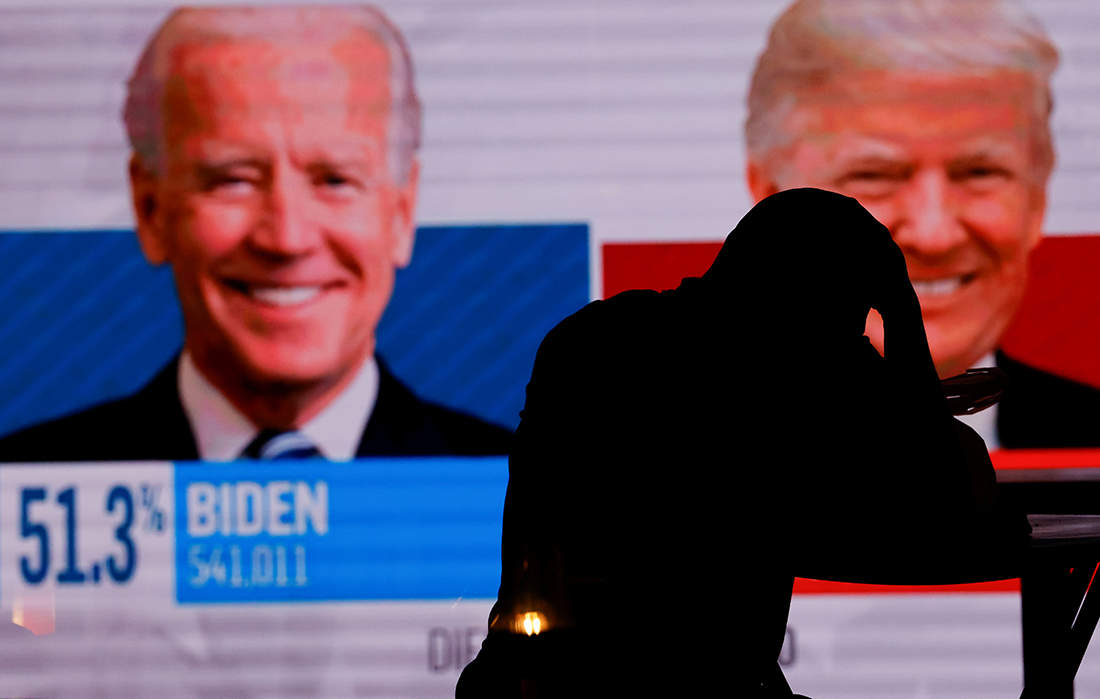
(807, 260)
(795, 280)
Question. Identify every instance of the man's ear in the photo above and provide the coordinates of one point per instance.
(145, 194)
(761, 184)
(404, 217)
(1035, 217)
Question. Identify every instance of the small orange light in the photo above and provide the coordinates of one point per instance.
(531, 623)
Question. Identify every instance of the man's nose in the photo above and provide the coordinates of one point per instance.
(288, 227)
(929, 224)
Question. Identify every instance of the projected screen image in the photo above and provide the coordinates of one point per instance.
(275, 277)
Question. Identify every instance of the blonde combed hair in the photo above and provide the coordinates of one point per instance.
(815, 41)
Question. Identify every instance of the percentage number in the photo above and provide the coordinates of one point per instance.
(120, 568)
(154, 514)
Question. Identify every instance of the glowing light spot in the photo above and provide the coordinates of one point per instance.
(531, 623)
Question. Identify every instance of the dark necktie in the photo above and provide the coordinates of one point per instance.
(271, 444)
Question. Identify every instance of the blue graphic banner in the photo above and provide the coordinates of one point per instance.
(253, 532)
(378, 529)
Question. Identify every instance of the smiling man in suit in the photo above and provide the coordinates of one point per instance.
(935, 115)
(274, 169)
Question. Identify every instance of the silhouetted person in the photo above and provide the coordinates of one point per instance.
(683, 454)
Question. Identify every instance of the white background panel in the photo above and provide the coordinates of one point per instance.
(628, 115)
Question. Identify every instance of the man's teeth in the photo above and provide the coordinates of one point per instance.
(933, 287)
(284, 295)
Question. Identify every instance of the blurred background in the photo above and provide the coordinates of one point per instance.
(570, 150)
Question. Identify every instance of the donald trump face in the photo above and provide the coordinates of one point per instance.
(950, 153)
(272, 193)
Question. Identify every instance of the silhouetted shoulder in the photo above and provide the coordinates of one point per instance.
(120, 430)
(1040, 409)
(616, 323)
(149, 424)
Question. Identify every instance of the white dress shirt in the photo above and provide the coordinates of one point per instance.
(985, 422)
(222, 432)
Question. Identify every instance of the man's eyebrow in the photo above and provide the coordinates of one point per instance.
(986, 151)
(339, 163)
(211, 164)
(870, 153)
(871, 163)
(212, 172)
(364, 168)
(354, 151)
(351, 149)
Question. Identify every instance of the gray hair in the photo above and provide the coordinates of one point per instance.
(813, 41)
(142, 113)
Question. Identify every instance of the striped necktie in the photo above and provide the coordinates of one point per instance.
(272, 444)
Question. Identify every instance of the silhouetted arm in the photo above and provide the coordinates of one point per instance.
(548, 512)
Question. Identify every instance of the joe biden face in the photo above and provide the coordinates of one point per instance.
(274, 204)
